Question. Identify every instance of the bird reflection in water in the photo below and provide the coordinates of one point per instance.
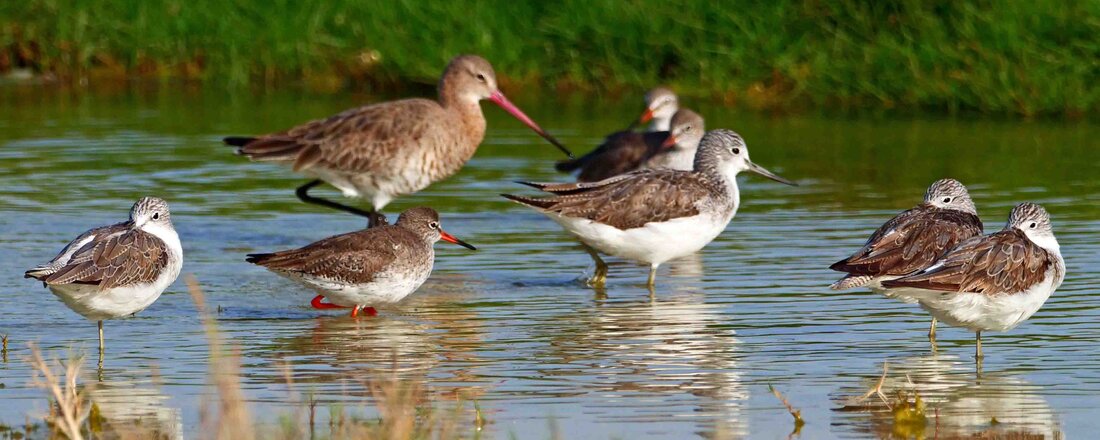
(958, 403)
(644, 352)
(428, 340)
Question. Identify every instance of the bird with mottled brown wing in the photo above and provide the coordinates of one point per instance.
(1003, 262)
(131, 256)
(911, 241)
(620, 153)
(353, 141)
(355, 257)
(626, 201)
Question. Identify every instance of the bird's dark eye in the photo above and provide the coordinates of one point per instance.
(946, 200)
(735, 150)
(481, 77)
(1032, 225)
(433, 225)
(156, 216)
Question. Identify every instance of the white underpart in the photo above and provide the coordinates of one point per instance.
(660, 124)
(876, 286)
(662, 117)
(97, 305)
(376, 188)
(652, 244)
(655, 242)
(387, 287)
(999, 312)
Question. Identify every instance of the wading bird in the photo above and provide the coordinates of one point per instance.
(117, 270)
(992, 282)
(652, 216)
(389, 149)
(361, 269)
(912, 241)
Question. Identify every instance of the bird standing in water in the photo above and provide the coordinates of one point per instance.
(654, 215)
(993, 282)
(361, 269)
(912, 241)
(118, 270)
(385, 150)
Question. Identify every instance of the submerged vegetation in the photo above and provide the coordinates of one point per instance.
(999, 56)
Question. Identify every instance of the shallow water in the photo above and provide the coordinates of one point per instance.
(511, 326)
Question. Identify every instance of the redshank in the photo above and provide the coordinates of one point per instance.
(117, 270)
(652, 216)
(373, 266)
(912, 240)
(385, 150)
(660, 105)
(627, 151)
(678, 149)
(992, 282)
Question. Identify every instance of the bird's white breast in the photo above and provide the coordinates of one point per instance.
(653, 243)
(999, 312)
(96, 305)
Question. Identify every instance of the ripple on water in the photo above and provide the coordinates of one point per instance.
(512, 326)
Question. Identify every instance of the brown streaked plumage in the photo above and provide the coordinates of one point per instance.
(1004, 262)
(367, 267)
(653, 215)
(627, 201)
(912, 240)
(119, 256)
(915, 238)
(385, 150)
(626, 151)
(993, 282)
(116, 270)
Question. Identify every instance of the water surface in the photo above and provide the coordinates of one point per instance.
(511, 326)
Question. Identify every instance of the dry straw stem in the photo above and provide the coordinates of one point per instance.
(876, 390)
(798, 422)
(232, 420)
(70, 402)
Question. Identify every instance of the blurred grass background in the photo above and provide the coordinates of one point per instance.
(1027, 58)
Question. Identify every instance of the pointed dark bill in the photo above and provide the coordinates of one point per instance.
(443, 235)
(764, 172)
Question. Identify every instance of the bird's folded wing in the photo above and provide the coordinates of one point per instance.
(1004, 262)
(122, 258)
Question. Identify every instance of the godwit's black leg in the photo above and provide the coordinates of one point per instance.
(303, 194)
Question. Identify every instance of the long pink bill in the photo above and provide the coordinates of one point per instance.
(507, 105)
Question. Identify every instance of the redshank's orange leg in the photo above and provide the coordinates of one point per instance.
(366, 310)
(317, 304)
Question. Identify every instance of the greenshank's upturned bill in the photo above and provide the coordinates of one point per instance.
(117, 270)
(389, 149)
(652, 216)
(912, 241)
(361, 269)
(992, 282)
(626, 151)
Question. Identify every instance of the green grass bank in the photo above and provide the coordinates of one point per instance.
(1038, 57)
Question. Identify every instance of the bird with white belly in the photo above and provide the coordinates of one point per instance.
(118, 270)
(653, 215)
(992, 282)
